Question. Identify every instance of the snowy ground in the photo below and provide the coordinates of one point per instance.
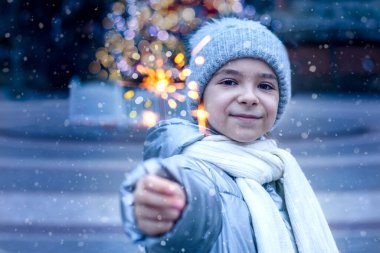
(59, 183)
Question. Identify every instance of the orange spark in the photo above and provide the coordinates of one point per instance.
(201, 44)
(172, 103)
(179, 58)
(149, 118)
(181, 98)
(193, 94)
(193, 85)
(201, 116)
(140, 68)
(129, 94)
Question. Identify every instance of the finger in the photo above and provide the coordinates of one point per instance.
(147, 212)
(161, 185)
(152, 190)
(158, 200)
(154, 228)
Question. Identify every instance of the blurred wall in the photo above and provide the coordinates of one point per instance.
(333, 45)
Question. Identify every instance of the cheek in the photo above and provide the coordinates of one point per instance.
(214, 116)
(211, 115)
(214, 120)
(273, 111)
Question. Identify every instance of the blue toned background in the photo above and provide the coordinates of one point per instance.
(59, 178)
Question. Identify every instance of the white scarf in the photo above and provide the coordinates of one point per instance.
(262, 162)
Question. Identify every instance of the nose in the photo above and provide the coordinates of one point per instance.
(248, 97)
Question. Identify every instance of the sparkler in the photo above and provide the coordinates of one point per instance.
(144, 48)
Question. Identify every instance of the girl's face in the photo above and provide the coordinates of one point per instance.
(241, 99)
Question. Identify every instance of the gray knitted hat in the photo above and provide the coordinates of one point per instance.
(227, 39)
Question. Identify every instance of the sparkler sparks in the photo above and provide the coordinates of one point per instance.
(144, 48)
(149, 118)
(201, 45)
(202, 116)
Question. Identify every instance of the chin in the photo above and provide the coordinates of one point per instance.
(244, 139)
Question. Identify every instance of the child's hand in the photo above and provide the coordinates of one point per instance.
(158, 204)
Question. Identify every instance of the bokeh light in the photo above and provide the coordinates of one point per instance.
(149, 118)
(144, 45)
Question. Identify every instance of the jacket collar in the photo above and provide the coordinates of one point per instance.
(170, 137)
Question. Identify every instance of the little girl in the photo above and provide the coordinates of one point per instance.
(228, 188)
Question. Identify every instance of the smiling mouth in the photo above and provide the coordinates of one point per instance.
(245, 116)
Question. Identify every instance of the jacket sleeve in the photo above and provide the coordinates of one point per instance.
(201, 221)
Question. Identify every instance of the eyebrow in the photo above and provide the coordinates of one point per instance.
(268, 76)
(238, 73)
(228, 72)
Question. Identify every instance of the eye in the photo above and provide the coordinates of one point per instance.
(266, 86)
(228, 82)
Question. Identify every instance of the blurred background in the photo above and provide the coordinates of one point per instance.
(334, 46)
(80, 81)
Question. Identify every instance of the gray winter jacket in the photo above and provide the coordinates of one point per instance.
(216, 219)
